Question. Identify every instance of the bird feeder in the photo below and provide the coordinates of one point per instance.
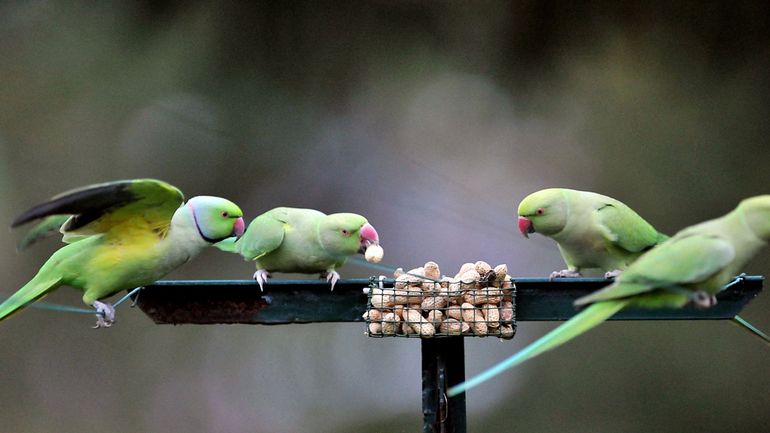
(443, 357)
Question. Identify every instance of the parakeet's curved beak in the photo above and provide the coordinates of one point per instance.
(368, 237)
(239, 227)
(525, 226)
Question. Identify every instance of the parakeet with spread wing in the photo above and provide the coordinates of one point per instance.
(295, 240)
(691, 267)
(592, 230)
(123, 235)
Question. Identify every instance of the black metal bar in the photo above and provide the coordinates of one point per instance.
(443, 365)
(443, 359)
(305, 301)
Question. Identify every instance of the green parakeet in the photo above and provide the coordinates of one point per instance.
(305, 241)
(123, 235)
(692, 266)
(592, 230)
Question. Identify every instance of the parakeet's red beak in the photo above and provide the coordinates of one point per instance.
(239, 227)
(368, 236)
(525, 226)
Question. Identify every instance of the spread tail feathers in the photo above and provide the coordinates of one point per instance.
(580, 323)
(32, 291)
(743, 324)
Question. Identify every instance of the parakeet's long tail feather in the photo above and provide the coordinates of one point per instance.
(580, 323)
(743, 324)
(32, 291)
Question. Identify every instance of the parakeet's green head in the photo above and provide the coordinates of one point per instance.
(544, 212)
(345, 234)
(216, 218)
(756, 211)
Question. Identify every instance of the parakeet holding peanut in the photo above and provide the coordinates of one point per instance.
(296, 240)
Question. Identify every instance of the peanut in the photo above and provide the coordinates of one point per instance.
(454, 311)
(408, 296)
(475, 319)
(452, 327)
(455, 291)
(435, 316)
(501, 271)
(433, 302)
(506, 311)
(465, 268)
(482, 296)
(390, 324)
(375, 328)
(406, 329)
(431, 270)
(430, 286)
(373, 315)
(492, 315)
(419, 324)
(382, 301)
(374, 253)
(507, 332)
(468, 279)
(398, 310)
(482, 267)
(416, 275)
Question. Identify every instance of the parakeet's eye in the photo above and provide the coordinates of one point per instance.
(540, 211)
(225, 214)
(345, 232)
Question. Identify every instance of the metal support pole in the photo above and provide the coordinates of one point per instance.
(443, 365)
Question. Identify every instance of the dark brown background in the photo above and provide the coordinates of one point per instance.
(431, 118)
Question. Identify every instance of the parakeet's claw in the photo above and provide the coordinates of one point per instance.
(261, 276)
(331, 276)
(702, 299)
(105, 314)
(613, 274)
(565, 273)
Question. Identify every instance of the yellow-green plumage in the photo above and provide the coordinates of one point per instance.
(129, 233)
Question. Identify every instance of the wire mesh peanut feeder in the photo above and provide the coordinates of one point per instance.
(415, 307)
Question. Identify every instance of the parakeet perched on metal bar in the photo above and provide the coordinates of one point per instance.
(296, 240)
(123, 235)
(592, 230)
(691, 267)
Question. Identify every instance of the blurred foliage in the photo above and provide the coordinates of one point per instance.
(433, 119)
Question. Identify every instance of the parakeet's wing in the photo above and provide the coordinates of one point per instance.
(45, 228)
(626, 229)
(106, 208)
(264, 234)
(684, 260)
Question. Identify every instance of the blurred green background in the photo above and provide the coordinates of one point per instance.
(433, 119)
